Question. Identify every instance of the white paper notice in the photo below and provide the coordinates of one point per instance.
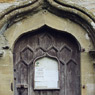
(52, 84)
(39, 74)
(46, 74)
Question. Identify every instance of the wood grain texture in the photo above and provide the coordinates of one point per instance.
(58, 45)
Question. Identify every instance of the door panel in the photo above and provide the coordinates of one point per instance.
(56, 45)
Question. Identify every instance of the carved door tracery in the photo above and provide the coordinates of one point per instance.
(49, 41)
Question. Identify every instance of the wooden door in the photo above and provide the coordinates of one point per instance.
(54, 43)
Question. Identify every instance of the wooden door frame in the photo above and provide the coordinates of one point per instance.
(46, 27)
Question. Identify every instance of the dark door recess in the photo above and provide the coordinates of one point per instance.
(52, 47)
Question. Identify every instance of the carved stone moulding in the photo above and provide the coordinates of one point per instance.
(60, 8)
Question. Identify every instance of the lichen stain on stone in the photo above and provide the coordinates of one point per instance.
(86, 36)
(19, 23)
(93, 24)
(60, 6)
(91, 89)
(3, 42)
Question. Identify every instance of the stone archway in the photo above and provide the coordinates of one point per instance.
(51, 46)
(53, 13)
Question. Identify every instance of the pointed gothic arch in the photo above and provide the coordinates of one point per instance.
(13, 15)
(47, 45)
(60, 8)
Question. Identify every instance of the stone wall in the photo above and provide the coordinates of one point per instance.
(11, 34)
(88, 4)
(4, 1)
(35, 21)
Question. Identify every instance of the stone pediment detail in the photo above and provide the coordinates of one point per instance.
(60, 8)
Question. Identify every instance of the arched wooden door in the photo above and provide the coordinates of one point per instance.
(47, 44)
